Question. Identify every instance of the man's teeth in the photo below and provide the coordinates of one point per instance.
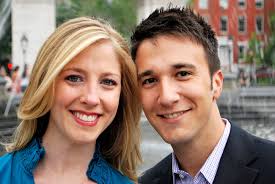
(173, 115)
(85, 117)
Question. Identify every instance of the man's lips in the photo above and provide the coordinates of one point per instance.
(173, 115)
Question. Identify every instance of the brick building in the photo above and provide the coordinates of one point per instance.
(145, 7)
(235, 21)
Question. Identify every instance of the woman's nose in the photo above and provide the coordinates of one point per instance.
(90, 95)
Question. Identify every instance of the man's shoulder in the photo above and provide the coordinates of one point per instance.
(263, 146)
(250, 150)
(157, 171)
(249, 154)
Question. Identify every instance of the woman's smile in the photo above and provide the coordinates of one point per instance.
(86, 119)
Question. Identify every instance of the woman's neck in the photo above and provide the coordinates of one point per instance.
(64, 159)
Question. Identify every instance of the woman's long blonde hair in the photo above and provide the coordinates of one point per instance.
(119, 143)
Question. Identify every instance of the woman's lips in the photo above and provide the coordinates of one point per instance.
(86, 119)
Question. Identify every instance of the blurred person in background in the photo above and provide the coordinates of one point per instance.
(242, 79)
(16, 80)
(80, 112)
(25, 78)
(5, 80)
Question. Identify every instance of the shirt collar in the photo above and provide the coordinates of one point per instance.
(98, 169)
(210, 167)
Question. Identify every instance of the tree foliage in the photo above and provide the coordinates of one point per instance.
(5, 41)
(120, 13)
(269, 55)
(254, 54)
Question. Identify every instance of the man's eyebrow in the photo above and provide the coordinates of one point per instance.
(181, 65)
(176, 66)
(145, 73)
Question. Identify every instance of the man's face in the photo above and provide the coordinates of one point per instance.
(175, 88)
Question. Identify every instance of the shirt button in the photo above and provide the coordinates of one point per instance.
(181, 176)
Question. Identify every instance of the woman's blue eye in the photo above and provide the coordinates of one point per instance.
(109, 82)
(74, 78)
(148, 81)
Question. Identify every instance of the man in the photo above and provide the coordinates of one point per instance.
(175, 52)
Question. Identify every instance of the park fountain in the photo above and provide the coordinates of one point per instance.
(252, 108)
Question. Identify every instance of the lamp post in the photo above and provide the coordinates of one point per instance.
(251, 60)
(24, 45)
(230, 40)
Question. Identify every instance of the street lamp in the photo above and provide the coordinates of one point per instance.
(230, 40)
(24, 45)
(251, 60)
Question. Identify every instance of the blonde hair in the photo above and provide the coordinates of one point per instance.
(119, 143)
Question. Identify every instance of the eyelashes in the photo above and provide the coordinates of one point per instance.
(74, 78)
(148, 81)
(77, 79)
(180, 75)
(109, 82)
(183, 74)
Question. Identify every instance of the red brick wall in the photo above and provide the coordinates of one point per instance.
(214, 12)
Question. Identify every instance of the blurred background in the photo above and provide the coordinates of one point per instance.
(245, 31)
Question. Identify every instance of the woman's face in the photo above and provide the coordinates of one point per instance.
(87, 95)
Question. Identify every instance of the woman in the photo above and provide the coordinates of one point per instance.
(79, 113)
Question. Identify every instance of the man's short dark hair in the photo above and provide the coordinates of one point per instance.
(178, 22)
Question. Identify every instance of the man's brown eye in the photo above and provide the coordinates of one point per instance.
(149, 81)
(183, 74)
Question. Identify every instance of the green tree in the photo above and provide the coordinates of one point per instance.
(5, 42)
(120, 13)
(5, 39)
(269, 55)
(253, 55)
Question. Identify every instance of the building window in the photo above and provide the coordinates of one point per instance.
(259, 4)
(241, 51)
(241, 4)
(223, 23)
(224, 4)
(203, 4)
(241, 24)
(259, 21)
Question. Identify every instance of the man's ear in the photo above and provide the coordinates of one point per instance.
(217, 81)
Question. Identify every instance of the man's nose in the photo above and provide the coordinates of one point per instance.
(168, 93)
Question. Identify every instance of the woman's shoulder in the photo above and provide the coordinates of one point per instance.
(11, 170)
(101, 171)
(118, 177)
(6, 161)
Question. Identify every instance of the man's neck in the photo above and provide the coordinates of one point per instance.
(192, 155)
